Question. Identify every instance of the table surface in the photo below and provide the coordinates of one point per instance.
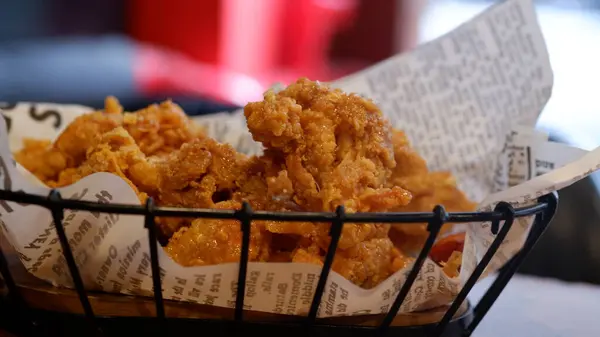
(532, 307)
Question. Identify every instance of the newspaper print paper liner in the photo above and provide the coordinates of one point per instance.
(460, 99)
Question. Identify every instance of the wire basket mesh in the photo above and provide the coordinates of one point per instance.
(29, 321)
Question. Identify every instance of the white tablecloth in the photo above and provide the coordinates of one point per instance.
(537, 307)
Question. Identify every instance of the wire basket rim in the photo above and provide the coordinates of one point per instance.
(209, 213)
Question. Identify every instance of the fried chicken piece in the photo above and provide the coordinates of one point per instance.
(203, 173)
(301, 229)
(336, 147)
(112, 105)
(323, 148)
(199, 172)
(160, 129)
(41, 159)
(279, 192)
(46, 160)
(428, 189)
(366, 264)
(88, 145)
(408, 161)
(370, 262)
(116, 152)
(199, 175)
(309, 254)
(214, 241)
(352, 234)
(266, 185)
(336, 150)
(83, 133)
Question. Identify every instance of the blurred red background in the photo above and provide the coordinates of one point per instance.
(226, 51)
(271, 38)
(277, 41)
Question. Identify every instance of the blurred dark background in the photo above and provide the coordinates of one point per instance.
(214, 55)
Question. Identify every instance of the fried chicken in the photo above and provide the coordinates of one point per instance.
(323, 149)
(158, 129)
(41, 159)
(428, 189)
(214, 241)
(47, 160)
(115, 152)
(366, 264)
(336, 149)
(333, 149)
(199, 175)
(161, 128)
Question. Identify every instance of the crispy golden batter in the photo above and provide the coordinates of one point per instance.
(158, 129)
(442, 190)
(41, 159)
(336, 150)
(323, 149)
(366, 264)
(428, 189)
(161, 128)
(336, 147)
(46, 161)
(116, 152)
(199, 175)
(370, 262)
(212, 241)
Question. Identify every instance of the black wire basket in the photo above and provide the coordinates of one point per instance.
(25, 320)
